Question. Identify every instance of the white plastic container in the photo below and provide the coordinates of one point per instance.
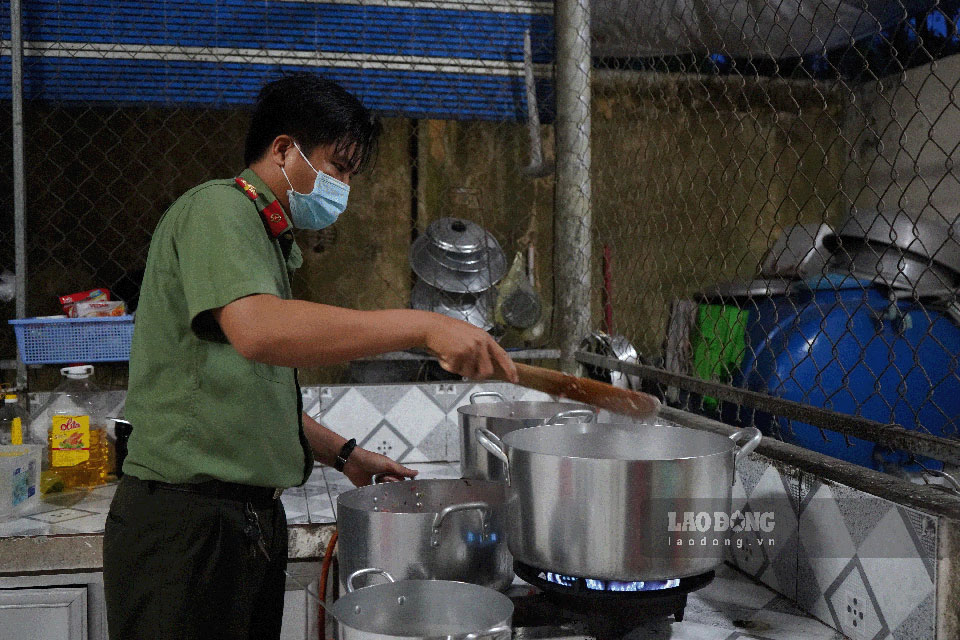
(72, 424)
(19, 479)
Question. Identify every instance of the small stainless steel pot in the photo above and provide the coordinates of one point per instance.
(427, 529)
(410, 609)
(501, 418)
(595, 500)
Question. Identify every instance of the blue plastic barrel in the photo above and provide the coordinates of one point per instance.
(840, 343)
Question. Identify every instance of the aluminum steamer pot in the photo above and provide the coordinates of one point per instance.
(594, 500)
(411, 609)
(427, 530)
(501, 418)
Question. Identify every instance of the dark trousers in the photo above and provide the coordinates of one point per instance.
(179, 565)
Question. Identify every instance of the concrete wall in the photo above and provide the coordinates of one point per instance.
(694, 179)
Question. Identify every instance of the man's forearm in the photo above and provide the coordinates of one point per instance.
(325, 443)
(296, 333)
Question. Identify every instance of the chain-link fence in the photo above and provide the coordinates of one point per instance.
(760, 198)
(775, 208)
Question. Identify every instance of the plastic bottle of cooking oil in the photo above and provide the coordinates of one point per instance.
(77, 446)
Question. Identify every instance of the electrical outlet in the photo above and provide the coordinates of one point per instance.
(445, 389)
(857, 616)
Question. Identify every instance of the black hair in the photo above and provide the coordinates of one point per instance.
(313, 111)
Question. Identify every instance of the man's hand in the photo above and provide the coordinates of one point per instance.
(362, 465)
(469, 351)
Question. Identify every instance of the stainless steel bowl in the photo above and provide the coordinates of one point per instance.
(897, 249)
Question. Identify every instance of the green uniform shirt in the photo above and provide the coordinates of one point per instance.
(199, 409)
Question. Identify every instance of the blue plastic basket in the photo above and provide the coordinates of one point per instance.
(73, 340)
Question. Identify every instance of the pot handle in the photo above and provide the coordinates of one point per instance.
(482, 507)
(377, 478)
(589, 414)
(489, 441)
(486, 394)
(753, 437)
(365, 572)
(954, 487)
(492, 633)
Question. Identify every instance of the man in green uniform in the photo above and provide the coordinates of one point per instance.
(196, 543)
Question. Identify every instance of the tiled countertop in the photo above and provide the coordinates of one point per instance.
(65, 532)
(735, 607)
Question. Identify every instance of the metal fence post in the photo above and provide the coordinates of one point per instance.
(19, 186)
(573, 213)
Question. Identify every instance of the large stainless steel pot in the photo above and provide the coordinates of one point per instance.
(501, 418)
(411, 609)
(427, 529)
(594, 500)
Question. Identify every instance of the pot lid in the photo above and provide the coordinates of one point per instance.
(438, 268)
(475, 309)
(927, 235)
(746, 289)
(892, 266)
(467, 262)
(457, 235)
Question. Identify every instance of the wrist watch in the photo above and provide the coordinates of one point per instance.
(345, 452)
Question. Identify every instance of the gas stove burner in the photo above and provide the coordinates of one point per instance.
(571, 582)
(611, 608)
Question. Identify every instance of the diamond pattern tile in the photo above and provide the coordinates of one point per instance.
(442, 443)
(866, 565)
(921, 623)
(828, 544)
(385, 397)
(295, 506)
(861, 513)
(386, 440)
(422, 414)
(449, 395)
(854, 608)
(892, 566)
(328, 396)
(771, 558)
(414, 415)
(351, 415)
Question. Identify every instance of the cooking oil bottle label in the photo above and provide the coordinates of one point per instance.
(70, 440)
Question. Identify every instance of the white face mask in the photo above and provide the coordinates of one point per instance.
(321, 207)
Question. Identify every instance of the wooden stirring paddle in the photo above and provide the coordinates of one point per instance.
(599, 394)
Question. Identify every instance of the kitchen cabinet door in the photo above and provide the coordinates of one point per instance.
(54, 613)
(299, 611)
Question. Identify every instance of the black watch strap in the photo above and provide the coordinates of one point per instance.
(345, 452)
